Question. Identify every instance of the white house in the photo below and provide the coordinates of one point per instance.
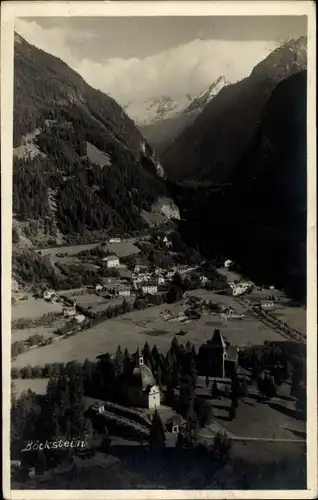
(142, 277)
(111, 261)
(241, 288)
(161, 280)
(115, 240)
(125, 292)
(99, 288)
(80, 318)
(15, 463)
(170, 274)
(69, 311)
(48, 294)
(267, 305)
(99, 408)
(167, 242)
(228, 263)
(149, 288)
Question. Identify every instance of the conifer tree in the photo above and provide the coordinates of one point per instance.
(157, 438)
(127, 362)
(119, 361)
(147, 355)
(155, 356)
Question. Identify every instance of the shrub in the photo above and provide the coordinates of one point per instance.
(204, 412)
(26, 372)
(17, 348)
(221, 448)
(15, 373)
(15, 235)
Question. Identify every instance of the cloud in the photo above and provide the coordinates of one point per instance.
(187, 68)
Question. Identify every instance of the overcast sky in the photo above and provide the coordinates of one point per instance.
(137, 58)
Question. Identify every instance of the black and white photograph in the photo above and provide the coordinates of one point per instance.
(158, 297)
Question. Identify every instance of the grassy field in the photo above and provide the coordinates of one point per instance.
(137, 327)
(46, 331)
(34, 308)
(293, 316)
(265, 420)
(121, 249)
(37, 385)
(70, 250)
(98, 303)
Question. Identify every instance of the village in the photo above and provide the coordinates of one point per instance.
(236, 341)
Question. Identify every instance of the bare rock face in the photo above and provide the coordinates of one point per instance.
(149, 161)
(166, 207)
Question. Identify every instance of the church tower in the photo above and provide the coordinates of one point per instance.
(139, 358)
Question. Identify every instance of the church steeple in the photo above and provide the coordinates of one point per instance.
(139, 358)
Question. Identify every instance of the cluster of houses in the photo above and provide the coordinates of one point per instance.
(68, 307)
(51, 296)
(166, 241)
(118, 290)
(144, 279)
(241, 288)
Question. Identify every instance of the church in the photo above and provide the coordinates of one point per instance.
(217, 358)
(140, 387)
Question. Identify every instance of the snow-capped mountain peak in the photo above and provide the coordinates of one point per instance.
(153, 110)
(165, 107)
(201, 100)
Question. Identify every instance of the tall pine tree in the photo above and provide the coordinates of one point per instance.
(157, 438)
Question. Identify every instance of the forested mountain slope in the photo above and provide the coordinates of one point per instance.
(80, 163)
(260, 221)
(215, 142)
(272, 180)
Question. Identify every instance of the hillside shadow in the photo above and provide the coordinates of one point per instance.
(155, 333)
(173, 467)
(289, 412)
(214, 323)
(299, 434)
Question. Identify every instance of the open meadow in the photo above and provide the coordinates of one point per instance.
(121, 249)
(20, 335)
(98, 303)
(270, 420)
(33, 308)
(37, 385)
(295, 317)
(137, 327)
(67, 249)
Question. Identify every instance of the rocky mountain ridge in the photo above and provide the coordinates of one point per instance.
(210, 147)
(171, 116)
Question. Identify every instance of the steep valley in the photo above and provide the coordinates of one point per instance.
(259, 219)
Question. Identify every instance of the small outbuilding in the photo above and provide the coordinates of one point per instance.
(173, 424)
(228, 263)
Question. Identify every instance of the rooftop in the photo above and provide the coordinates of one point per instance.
(141, 374)
(111, 257)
